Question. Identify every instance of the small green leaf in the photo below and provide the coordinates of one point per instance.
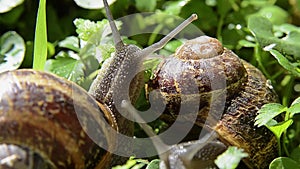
(154, 164)
(296, 101)
(294, 109)
(231, 158)
(86, 28)
(286, 28)
(7, 5)
(12, 51)
(262, 29)
(279, 128)
(40, 39)
(284, 163)
(247, 44)
(268, 112)
(70, 42)
(284, 62)
(94, 32)
(66, 67)
(132, 163)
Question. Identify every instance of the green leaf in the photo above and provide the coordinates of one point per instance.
(154, 164)
(256, 3)
(66, 67)
(247, 44)
(231, 158)
(295, 155)
(223, 7)
(275, 14)
(268, 112)
(86, 28)
(132, 163)
(286, 28)
(284, 163)
(296, 101)
(40, 39)
(294, 109)
(94, 32)
(262, 29)
(7, 5)
(174, 8)
(145, 5)
(12, 51)
(70, 42)
(284, 62)
(279, 128)
(92, 4)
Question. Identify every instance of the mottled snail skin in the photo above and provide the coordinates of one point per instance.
(199, 62)
(110, 82)
(39, 113)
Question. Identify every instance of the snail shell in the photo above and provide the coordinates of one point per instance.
(39, 115)
(203, 62)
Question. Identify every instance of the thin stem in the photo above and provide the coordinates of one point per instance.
(279, 147)
(284, 143)
(288, 92)
(257, 55)
(219, 29)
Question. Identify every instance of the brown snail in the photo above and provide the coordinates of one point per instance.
(229, 93)
(46, 121)
(40, 127)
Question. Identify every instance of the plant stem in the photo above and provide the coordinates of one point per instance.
(288, 91)
(219, 29)
(257, 55)
(279, 147)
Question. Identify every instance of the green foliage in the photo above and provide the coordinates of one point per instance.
(284, 163)
(267, 117)
(77, 61)
(230, 158)
(134, 163)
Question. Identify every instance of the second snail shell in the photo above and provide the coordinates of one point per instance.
(203, 62)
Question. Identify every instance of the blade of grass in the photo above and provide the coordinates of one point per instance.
(40, 39)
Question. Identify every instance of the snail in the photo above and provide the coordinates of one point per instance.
(40, 127)
(228, 91)
(49, 122)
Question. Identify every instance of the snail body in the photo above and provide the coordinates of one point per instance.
(229, 93)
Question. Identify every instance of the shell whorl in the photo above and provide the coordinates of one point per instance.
(40, 112)
(205, 62)
(199, 48)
